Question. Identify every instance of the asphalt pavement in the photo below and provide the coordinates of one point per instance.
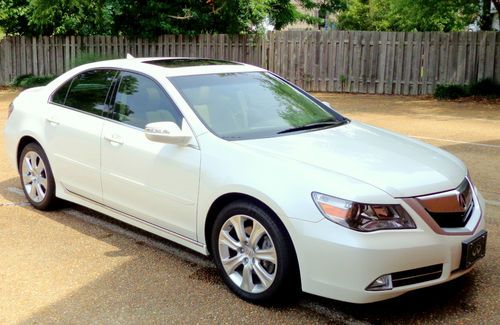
(77, 266)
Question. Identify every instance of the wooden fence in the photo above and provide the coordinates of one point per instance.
(336, 61)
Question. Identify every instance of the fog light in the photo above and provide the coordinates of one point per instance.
(382, 283)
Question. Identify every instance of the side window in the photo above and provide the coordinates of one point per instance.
(139, 101)
(88, 91)
(59, 96)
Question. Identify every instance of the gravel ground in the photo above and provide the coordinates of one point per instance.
(77, 266)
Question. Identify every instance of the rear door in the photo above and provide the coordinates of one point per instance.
(153, 182)
(73, 128)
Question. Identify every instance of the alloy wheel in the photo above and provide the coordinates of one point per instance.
(34, 176)
(247, 253)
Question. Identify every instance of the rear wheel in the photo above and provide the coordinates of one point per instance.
(36, 177)
(253, 254)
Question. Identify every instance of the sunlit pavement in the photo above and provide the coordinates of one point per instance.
(77, 266)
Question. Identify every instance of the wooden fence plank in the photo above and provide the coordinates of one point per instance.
(489, 65)
(497, 55)
(382, 59)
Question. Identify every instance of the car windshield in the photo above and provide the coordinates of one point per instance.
(253, 105)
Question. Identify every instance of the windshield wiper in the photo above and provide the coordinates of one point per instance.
(316, 125)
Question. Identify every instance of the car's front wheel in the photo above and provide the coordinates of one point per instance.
(254, 254)
(36, 177)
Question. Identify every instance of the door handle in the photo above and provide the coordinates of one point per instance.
(52, 121)
(114, 139)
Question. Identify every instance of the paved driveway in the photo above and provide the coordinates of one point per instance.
(78, 266)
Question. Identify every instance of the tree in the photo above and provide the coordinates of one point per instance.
(150, 18)
(70, 17)
(486, 19)
(14, 17)
(63, 17)
(409, 15)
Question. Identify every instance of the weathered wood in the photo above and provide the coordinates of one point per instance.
(352, 61)
(416, 64)
(497, 56)
(490, 59)
(462, 58)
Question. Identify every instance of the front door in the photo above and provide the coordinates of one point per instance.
(154, 182)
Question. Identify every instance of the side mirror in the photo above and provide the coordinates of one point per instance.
(327, 104)
(166, 132)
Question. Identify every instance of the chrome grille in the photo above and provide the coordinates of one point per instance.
(451, 209)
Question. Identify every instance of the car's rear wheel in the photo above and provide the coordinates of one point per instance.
(36, 177)
(254, 254)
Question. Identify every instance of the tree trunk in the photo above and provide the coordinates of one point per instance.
(486, 18)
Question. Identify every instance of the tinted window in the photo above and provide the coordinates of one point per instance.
(140, 101)
(59, 96)
(88, 91)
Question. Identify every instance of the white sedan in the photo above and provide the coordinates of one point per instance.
(233, 161)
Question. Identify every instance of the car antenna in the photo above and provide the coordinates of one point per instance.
(130, 56)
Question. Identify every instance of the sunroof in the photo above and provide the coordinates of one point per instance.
(182, 63)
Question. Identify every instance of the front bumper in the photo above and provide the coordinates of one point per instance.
(339, 263)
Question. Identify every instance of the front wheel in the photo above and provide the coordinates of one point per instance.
(36, 177)
(254, 254)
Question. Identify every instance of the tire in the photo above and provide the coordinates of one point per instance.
(259, 267)
(37, 179)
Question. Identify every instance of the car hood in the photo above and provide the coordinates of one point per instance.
(400, 166)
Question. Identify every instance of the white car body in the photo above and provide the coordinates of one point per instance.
(169, 189)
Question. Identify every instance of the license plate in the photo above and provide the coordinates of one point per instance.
(473, 249)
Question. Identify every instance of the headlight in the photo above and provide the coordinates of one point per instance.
(363, 217)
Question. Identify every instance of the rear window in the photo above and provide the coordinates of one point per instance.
(87, 91)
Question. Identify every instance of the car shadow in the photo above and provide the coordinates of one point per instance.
(164, 282)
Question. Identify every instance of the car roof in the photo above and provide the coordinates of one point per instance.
(175, 66)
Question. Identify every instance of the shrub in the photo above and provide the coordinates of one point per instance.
(485, 87)
(452, 91)
(30, 81)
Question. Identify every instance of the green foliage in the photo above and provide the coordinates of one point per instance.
(150, 18)
(452, 91)
(14, 16)
(70, 17)
(89, 58)
(408, 15)
(61, 17)
(30, 81)
(483, 88)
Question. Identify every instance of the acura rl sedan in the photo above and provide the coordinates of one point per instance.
(235, 162)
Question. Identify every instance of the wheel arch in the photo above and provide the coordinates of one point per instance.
(228, 198)
(23, 142)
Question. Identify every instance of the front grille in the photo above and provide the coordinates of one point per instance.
(421, 274)
(452, 219)
(451, 209)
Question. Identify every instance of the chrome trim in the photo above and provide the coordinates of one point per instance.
(147, 223)
(457, 200)
(417, 276)
(468, 229)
